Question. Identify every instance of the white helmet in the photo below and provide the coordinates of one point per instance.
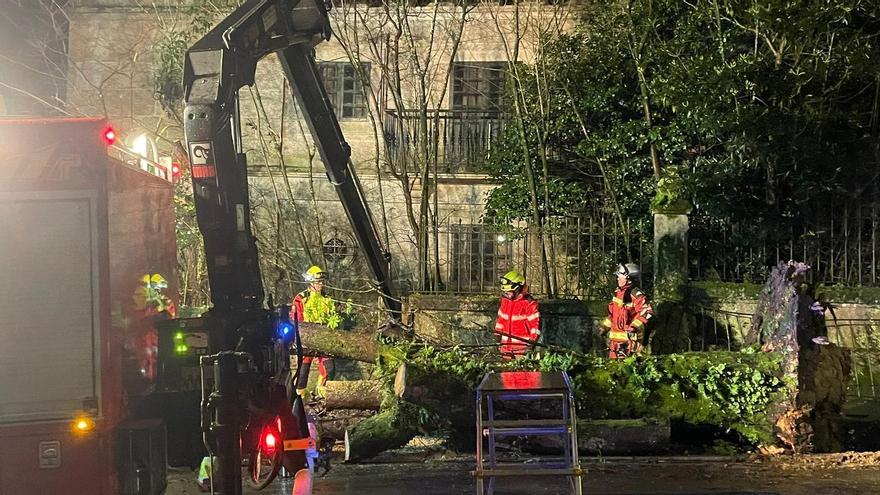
(629, 270)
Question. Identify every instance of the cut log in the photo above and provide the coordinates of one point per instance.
(354, 394)
(384, 431)
(334, 424)
(359, 344)
(443, 394)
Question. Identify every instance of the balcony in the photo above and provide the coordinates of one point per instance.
(464, 138)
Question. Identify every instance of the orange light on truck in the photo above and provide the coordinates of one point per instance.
(83, 425)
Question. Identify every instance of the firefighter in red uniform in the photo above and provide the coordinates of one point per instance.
(628, 312)
(518, 321)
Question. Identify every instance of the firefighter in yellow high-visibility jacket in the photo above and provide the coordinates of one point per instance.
(313, 306)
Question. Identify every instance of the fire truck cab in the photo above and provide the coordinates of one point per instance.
(89, 258)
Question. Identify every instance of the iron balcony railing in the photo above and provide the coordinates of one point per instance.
(460, 139)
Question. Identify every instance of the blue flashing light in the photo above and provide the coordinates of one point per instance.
(285, 329)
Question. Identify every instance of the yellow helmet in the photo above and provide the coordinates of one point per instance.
(512, 281)
(154, 281)
(314, 273)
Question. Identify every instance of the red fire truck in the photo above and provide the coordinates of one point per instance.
(88, 255)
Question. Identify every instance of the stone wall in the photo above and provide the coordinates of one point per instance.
(470, 319)
(731, 306)
(32, 61)
(110, 70)
(724, 309)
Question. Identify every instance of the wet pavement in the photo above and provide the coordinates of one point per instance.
(640, 476)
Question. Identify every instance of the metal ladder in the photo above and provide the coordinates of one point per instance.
(525, 386)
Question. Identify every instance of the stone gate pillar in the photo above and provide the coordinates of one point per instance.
(670, 254)
(670, 329)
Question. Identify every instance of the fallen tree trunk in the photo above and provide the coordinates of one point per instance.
(359, 343)
(390, 429)
(449, 396)
(443, 383)
(334, 424)
(610, 436)
(353, 394)
(443, 394)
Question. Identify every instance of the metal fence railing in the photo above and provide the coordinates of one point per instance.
(838, 240)
(718, 330)
(862, 339)
(726, 330)
(581, 254)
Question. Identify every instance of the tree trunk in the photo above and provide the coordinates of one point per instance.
(384, 431)
(358, 344)
(354, 394)
(609, 436)
(443, 394)
(334, 424)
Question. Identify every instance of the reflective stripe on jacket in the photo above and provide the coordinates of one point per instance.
(518, 317)
(629, 310)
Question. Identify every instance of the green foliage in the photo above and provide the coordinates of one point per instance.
(191, 311)
(168, 68)
(511, 201)
(185, 212)
(760, 111)
(728, 390)
(671, 195)
(327, 311)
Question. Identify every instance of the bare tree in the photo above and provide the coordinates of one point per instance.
(412, 49)
(525, 29)
(404, 56)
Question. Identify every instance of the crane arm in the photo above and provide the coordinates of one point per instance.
(216, 67)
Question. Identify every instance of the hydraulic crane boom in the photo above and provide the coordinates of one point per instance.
(242, 337)
(216, 67)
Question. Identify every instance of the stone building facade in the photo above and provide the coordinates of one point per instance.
(385, 65)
